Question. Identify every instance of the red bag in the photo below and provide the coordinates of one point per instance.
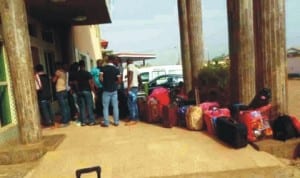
(296, 123)
(153, 110)
(257, 122)
(169, 116)
(209, 105)
(211, 115)
(253, 121)
(162, 95)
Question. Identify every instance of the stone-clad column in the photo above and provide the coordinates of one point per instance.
(270, 45)
(242, 53)
(17, 44)
(194, 14)
(185, 46)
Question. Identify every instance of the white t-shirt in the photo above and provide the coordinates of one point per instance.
(135, 82)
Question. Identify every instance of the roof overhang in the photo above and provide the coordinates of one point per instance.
(135, 56)
(69, 12)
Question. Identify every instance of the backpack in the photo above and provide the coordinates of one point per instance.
(283, 128)
(261, 98)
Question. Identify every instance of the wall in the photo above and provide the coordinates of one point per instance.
(87, 41)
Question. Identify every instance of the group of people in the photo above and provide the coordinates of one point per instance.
(88, 93)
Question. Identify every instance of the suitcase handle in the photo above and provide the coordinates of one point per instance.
(96, 169)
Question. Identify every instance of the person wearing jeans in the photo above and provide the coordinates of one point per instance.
(132, 90)
(85, 102)
(60, 80)
(44, 95)
(110, 77)
(85, 87)
(62, 97)
(132, 104)
(107, 98)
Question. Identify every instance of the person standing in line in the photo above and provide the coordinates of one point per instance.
(85, 98)
(62, 95)
(95, 72)
(122, 96)
(73, 91)
(110, 77)
(42, 82)
(132, 91)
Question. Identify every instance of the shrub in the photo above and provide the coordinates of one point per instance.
(213, 83)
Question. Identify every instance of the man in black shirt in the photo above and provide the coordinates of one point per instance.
(85, 99)
(110, 77)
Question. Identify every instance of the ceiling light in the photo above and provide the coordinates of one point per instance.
(57, 1)
(80, 18)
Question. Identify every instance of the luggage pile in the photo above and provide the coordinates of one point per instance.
(236, 125)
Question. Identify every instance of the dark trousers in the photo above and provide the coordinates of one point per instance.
(98, 103)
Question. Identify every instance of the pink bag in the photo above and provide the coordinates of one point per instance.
(209, 105)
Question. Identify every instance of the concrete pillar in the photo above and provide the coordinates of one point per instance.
(185, 46)
(17, 44)
(242, 51)
(195, 38)
(270, 46)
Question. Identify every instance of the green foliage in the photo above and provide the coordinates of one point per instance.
(214, 75)
(213, 83)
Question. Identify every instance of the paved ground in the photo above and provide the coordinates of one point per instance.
(147, 150)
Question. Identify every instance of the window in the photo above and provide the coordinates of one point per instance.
(145, 76)
(50, 69)
(5, 115)
(32, 30)
(47, 35)
(158, 73)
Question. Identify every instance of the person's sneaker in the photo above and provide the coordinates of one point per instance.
(131, 123)
(127, 120)
(92, 123)
(116, 124)
(63, 125)
(83, 124)
(103, 125)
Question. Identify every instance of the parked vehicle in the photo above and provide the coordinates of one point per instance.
(149, 73)
(169, 81)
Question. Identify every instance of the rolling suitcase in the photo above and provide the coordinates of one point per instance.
(193, 118)
(231, 132)
(152, 110)
(169, 116)
(142, 105)
(210, 117)
(88, 170)
(181, 112)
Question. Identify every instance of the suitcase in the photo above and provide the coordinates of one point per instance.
(193, 118)
(231, 132)
(181, 112)
(169, 116)
(210, 117)
(152, 110)
(96, 169)
(257, 122)
(283, 128)
(209, 105)
(142, 105)
(296, 123)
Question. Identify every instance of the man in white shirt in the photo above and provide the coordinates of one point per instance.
(132, 90)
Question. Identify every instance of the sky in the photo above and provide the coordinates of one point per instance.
(151, 26)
